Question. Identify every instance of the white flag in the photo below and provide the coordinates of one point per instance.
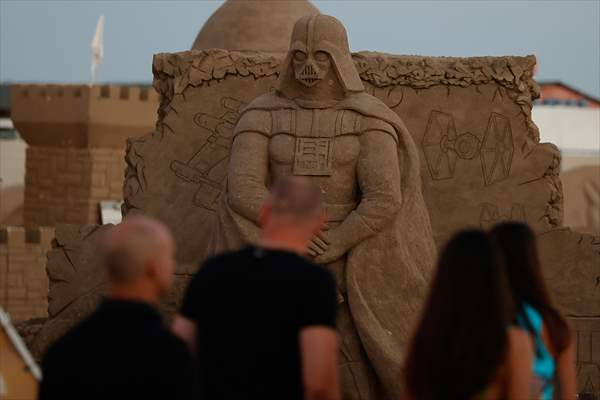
(97, 47)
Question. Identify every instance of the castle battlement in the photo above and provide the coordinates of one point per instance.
(123, 93)
(49, 92)
(66, 92)
(52, 115)
(18, 236)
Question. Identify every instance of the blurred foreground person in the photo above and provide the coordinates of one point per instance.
(553, 342)
(262, 320)
(464, 347)
(123, 351)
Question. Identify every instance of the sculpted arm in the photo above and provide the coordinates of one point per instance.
(378, 177)
(247, 176)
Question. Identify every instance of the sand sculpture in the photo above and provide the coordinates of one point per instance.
(480, 163)
(320, 123)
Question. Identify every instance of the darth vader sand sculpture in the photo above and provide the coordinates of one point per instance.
(320, 123)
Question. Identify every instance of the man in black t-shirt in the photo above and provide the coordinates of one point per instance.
(261, 320)
(123, 350)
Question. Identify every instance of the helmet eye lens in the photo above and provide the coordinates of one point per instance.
(321, 56)
(299, 55)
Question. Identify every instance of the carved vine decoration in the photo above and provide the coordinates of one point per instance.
(418, 72)
(175, 72)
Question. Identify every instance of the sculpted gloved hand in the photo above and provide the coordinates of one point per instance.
(328, 246)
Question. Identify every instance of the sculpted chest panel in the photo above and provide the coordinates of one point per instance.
(314, 141)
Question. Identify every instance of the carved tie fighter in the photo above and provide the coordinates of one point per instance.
(497, 149)
(443, 147)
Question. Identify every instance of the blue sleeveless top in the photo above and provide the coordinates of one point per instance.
(543, 366)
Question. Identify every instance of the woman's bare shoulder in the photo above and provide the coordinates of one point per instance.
(519, 340)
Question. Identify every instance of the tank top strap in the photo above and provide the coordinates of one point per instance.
(530, 319)
(544, 366)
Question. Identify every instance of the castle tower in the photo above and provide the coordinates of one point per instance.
(76, 136)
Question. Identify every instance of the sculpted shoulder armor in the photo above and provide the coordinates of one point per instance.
(368, 124)
(257, 121)
(354, 123)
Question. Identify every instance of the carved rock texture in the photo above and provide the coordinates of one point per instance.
(78, 283)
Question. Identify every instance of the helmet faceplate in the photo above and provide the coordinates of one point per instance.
(313, 39)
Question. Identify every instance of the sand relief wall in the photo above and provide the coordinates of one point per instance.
(481, 163)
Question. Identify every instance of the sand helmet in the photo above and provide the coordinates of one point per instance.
(318, 43)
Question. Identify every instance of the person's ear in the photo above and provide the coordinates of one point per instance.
(265, 213)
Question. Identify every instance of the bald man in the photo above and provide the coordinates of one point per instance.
(123, 351)
(261, 320)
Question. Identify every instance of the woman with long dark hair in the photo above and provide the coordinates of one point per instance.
(553, 342)
(464, 346)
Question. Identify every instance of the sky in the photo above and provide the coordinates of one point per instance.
(49, 41)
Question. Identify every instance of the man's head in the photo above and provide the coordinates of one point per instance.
(293, 212)
(139, 254)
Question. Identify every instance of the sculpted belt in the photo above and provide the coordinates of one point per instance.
(338, 212)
